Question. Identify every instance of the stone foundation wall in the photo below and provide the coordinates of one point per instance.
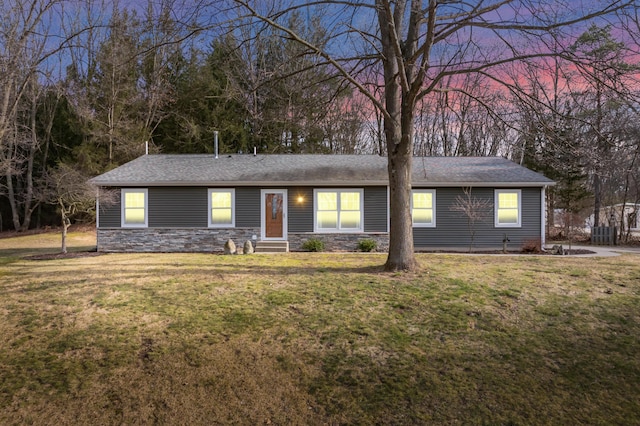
(209, 240)
(339, 242)
(171, 240)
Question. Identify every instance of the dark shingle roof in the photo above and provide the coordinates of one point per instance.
(294, 169)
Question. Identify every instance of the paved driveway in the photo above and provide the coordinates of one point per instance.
(604, 251)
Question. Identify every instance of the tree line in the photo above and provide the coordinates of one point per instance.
(90, 85)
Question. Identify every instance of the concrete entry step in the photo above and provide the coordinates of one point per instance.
(272, 247)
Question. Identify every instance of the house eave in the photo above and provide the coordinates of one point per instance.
(481, 184)
(323, 183)
(242, 183)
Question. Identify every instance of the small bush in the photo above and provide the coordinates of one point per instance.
(313, 244)
(367, 245)
(532, 246)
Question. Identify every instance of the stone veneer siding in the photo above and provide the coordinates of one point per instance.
(338, 241)
(170, 240)
(180, 240)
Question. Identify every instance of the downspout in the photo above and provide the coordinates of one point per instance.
(97, 219)
(543, 217)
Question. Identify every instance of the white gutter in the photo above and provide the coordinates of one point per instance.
(543, 217)
(326, 182)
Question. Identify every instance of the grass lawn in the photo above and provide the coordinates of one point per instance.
(316, 338)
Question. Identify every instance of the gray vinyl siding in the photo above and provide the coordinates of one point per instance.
(178, 207)
(300, 213)
(248, 207)
(452, 229)
(375, 209)
(110, 214)
(188, 207)
(185, 207)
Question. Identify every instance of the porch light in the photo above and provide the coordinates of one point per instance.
(300, 199)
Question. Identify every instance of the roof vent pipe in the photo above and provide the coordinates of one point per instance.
(215, 141)
(255, 151)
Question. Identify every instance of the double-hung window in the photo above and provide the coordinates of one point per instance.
(508, 208)
(338, 210)
(134, 207)
(221, 208)
(423, 207)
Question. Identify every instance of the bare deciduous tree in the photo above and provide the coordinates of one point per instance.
(70, 191)
(418, 44)
(26, 48)
(474, 209)
(34, 37)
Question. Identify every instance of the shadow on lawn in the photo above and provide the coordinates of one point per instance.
(29, 253)
(85, 267)
(300, 269)
(249, 268)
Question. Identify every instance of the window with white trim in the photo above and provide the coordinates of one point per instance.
(221, 208)
(423, 207)
(507, 208)
(134, 207)
(338, 210)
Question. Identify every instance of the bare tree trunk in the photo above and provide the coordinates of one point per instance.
(28, 196)
(597, 179)
(29, 206)
(401, 255)
(15, 217)
(398, 127)
(65, 222)
(65, 227)
(597, 204)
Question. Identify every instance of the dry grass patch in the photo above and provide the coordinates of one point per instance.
(316, 338)
(45, 243)
(232, 382)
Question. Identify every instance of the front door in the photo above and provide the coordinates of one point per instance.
(274, 212)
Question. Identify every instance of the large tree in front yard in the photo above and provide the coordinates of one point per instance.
(409, 47)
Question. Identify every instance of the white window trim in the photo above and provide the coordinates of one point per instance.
(232, 191)
(497, 192)
(124, 191)
(317, 230)
(433, 208)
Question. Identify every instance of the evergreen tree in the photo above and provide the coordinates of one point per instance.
(602, 63)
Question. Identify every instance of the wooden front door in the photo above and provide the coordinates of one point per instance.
(273, 214)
